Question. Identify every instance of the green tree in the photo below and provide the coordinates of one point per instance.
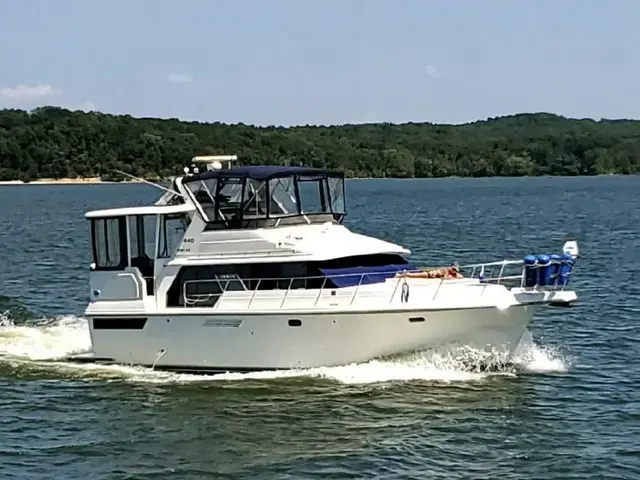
(55, 142)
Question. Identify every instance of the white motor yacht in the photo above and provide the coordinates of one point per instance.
(251, 268)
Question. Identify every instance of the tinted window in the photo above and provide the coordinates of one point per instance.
(109, 243)
(172, 230)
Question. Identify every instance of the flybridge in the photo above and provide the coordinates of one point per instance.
(258, 196)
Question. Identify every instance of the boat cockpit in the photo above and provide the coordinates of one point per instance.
(267, 196)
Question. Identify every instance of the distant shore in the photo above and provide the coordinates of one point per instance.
(64, 181)
(98, 180)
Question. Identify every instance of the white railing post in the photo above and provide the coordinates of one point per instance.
(320, 292)
(287, 292)
(501, 273)
(254, 293)
(438, 289)
(393, 294)
(355, 292)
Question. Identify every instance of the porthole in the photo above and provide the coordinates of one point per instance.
(294, 322)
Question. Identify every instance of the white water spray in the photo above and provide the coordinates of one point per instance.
(56, 339)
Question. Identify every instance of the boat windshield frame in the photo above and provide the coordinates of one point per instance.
(257, 197)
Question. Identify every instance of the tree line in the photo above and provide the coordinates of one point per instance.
(52, 142)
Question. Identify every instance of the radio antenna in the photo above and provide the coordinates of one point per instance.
(149, 183)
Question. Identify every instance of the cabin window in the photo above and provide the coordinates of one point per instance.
(282, 197)
(297, 274)
(142, 236)
(175, 199)
(230, 282)
(134, 247)
(336, 194)
(204, 193)
(109, 243)
(172, 230)
(254, 202)
(229, 199)
(313, 195)
(203, 285)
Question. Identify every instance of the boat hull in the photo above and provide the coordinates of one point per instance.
(263, 341)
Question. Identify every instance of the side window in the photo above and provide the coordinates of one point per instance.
(336, 193)
(312, 195)
(142, 236)
(172, 230)
(134, 240)
(229, 198)
(204, 193)
(282, 197)
(147, 224)
(109, 238)
(254, 203)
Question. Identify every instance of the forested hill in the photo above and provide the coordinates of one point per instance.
(52, 142)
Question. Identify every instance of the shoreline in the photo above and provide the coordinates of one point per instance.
(98, 181)
(67, 181)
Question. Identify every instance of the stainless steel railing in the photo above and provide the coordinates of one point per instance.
(207, 292)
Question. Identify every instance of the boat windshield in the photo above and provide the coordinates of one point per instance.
(238, 202)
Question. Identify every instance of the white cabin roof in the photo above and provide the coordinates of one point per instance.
(146, 210)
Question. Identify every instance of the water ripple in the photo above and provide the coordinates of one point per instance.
(568, 410)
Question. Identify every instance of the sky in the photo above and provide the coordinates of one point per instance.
(297, 62)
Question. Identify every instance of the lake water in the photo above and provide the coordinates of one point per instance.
(569, 409)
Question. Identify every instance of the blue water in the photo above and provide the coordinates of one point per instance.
(570, 410)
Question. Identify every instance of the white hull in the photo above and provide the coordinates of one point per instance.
(226, 342)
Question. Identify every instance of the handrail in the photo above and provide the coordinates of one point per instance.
(482, 273)
(235, 278)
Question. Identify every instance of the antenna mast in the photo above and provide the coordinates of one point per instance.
(149, 183)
